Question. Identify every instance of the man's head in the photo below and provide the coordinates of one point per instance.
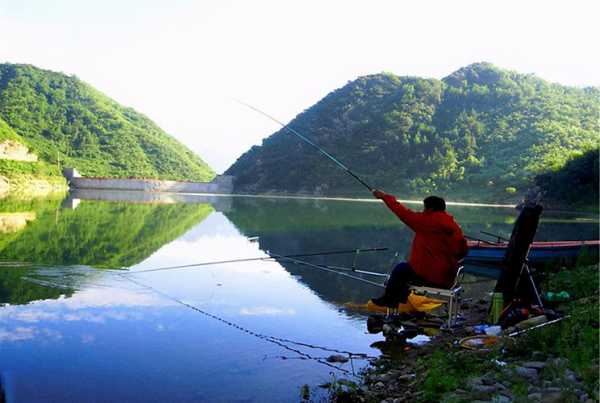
(434, 203)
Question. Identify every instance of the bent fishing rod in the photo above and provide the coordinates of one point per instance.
(321, 150)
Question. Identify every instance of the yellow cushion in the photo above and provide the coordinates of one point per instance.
(415, 303)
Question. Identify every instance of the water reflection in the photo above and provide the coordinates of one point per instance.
(51, 232)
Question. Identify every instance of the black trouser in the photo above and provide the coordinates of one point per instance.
(396, 290)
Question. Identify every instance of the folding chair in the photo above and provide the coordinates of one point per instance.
(451, 296)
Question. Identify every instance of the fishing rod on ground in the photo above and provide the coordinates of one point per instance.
(321, 150)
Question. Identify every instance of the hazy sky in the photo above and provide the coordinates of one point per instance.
(181, 62)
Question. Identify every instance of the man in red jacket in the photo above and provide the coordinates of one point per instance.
(437, 247)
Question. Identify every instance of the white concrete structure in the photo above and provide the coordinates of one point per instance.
(221, 184)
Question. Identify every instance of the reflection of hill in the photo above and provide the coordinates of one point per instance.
(288, 226)
(100, 234)
(15, 289)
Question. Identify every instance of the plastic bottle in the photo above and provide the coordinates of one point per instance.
(497, 306)
(557, 296)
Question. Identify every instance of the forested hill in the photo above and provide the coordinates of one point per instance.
(62, 118)
(481, 133)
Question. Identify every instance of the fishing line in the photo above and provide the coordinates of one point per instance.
(331, 157)
(272, 339)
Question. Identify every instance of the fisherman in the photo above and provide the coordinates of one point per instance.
(436, 249)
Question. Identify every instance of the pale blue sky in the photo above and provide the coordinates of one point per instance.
(181, 61)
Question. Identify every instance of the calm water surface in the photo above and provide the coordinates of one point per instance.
(72, 328)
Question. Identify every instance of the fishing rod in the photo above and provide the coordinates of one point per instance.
(517, 333)
(352, 269)
(321, 150)
(324, 268)
(329, 253)
(499, 237)
(478, 239)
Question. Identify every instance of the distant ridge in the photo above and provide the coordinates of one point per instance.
(481, 133)
(62, 118)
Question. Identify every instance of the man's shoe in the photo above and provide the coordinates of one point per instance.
(384, 301)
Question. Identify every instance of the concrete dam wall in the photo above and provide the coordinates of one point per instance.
(222, 184)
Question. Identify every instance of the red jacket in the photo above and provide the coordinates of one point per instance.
(438, 245)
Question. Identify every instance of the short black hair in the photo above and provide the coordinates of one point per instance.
(435, 203)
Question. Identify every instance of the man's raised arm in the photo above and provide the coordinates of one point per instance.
(408, 217)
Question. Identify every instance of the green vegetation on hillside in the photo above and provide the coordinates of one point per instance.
(7, 133)
(20, 174)
(64, 119)
(575, 183)
(481, 133)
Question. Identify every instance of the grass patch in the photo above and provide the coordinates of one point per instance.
(575, 339)
(446, 371)
(11, 168)
(21, 174)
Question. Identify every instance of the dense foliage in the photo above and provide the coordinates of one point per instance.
(480, 133)
(65, 120)
(7, 133)
(576, 182)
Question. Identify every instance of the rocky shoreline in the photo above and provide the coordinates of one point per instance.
(556, 363)
(511, 380)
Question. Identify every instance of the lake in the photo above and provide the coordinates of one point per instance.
(84, 317)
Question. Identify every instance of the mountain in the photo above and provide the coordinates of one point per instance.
(65, 121)
(482, 133)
